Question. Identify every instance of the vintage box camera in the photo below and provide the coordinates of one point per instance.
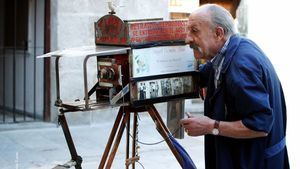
(139, 63)
(157, 67)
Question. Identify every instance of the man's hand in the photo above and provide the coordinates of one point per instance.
(197, 126)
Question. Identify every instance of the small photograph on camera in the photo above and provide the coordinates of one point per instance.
(187, 84)
(154, 89)
(177, 86)
(142, 89)
(166, 87)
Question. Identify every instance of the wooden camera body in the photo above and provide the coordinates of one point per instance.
(158, 66)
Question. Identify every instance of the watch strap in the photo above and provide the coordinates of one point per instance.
(216, 125)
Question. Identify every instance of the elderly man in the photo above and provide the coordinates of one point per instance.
(245, 114)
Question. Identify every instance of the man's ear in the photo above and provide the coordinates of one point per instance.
(220, 32)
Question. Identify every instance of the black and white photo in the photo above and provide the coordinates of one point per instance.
(166, 88)
(142, 91)
(177, 86)
(153, 89)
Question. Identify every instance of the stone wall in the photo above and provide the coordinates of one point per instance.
(72, 25)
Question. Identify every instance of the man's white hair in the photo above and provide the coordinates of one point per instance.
(219, 16)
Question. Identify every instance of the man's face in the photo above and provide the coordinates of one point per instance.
(201, 35)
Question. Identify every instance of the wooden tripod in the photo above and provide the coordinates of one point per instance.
(123, 117)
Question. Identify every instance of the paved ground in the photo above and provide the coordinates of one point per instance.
(38, 145)
(42, 146)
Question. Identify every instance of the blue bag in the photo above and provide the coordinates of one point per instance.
(187, 160)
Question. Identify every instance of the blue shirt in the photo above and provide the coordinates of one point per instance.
(249, 91)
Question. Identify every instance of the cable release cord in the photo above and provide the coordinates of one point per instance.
(155, 143)
(149, 144)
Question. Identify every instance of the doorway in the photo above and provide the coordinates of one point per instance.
(21, 74)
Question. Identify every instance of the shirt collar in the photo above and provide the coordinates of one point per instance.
(216, 60)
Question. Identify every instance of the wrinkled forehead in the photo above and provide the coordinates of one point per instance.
(198, 19)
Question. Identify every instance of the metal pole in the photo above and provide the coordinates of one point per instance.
(47, 63)
(14, 61)
(3, 85)
(64, 125)
(175, 112)
(34, 62)
(58, 101)
(86, 97)
(24, 89)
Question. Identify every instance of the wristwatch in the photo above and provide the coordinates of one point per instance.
(215, 130)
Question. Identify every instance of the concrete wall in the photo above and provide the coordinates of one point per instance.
(72, 26)
(72, 21)
(274, 25)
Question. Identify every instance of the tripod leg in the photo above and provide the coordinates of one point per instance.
(63, 122)
(111, 138)
(118, 139)
(134, 138)
(127, 137)
(163, 130)
(159, 118)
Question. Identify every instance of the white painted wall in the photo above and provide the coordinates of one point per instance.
(72, 25)
(274, 25)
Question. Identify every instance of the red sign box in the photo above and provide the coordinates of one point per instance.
(111, 30)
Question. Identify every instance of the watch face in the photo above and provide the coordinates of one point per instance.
(215, 131)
